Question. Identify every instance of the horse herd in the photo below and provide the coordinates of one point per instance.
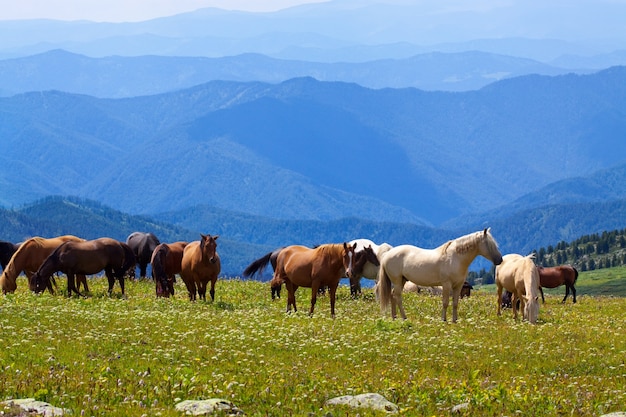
(198, 263)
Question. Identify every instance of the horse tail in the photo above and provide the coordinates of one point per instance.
(158, 262)
(129, 258)
(575, 274)
(257, 266)
(383, 287)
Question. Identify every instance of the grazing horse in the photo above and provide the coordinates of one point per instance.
(518, 274)
(445, 265)
(29, 257)
(299, 266)
(200, 264)
(166, 263)
(552, 277)
(466, 290)
(257, 266)
(87, 257)
(143, 245)
(370, 266)
(7, 249)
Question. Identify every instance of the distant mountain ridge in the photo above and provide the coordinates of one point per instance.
(117, 77)
(342, 30)
(305, 149)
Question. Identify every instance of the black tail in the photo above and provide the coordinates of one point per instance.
(575, 274)
(158, 259)
(257, 267)
(129, 258)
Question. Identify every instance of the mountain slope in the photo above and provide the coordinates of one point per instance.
(315, 150)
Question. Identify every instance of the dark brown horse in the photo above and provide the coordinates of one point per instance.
(299, 266)
(142, 244)
(29, 257)
(166, 263)
(552, 277)
(7, 249)
(200, 264)
(89, 257)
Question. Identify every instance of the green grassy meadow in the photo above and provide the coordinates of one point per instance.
(139, 356)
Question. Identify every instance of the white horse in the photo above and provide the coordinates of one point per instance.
(518, 275)
(370, 270)
(446, 265)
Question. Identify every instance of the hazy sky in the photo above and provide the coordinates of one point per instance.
(129, 10)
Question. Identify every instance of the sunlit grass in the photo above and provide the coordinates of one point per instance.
(141, 355)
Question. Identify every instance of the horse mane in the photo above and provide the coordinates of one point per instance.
(468, 242)
(329, 248)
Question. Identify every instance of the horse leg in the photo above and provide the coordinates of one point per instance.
(514, 304)
(71, 284)
(397, 297)
(445, 300)
(333, 292)
(202, 290)
(573, 292)
(142, 270)
(456, 295)
(315, 286)
(291, 296)
(566, 293)
(499, 300)
(212, 291)
(543, 300)
(191, 288)
(82, 279)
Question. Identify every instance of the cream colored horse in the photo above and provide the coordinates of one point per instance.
(518, 275)
(446, 265)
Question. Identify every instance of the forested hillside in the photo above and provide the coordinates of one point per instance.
(244, 238)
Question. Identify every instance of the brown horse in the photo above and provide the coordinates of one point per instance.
(552, 277)
(88, 257)
(166, 263)
(29, 257)
(200, 264)
(299, 266)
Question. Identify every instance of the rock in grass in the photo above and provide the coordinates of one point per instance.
(201, 407)
(616, 414)
(370, 400)
(40, 408)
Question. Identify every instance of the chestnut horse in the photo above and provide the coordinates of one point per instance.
(29, 257)
(86, 257)
(518, 275)
(299, 266)
(142, 244)
(166, 263)
(552, 277)
(200, 264)
(445, 265)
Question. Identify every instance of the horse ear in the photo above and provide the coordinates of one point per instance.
(487, 229)
(215, 237)
(202, 237)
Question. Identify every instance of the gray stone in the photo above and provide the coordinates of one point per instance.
(30, 405)
(213, 405)
(369, 400)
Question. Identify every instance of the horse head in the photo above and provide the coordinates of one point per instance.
(7, 285)
(208, 247)
(349, 259)
(531, 308)
(488, 247)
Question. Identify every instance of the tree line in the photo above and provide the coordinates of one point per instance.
(587, 253)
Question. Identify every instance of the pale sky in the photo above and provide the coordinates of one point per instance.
(128, 10)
